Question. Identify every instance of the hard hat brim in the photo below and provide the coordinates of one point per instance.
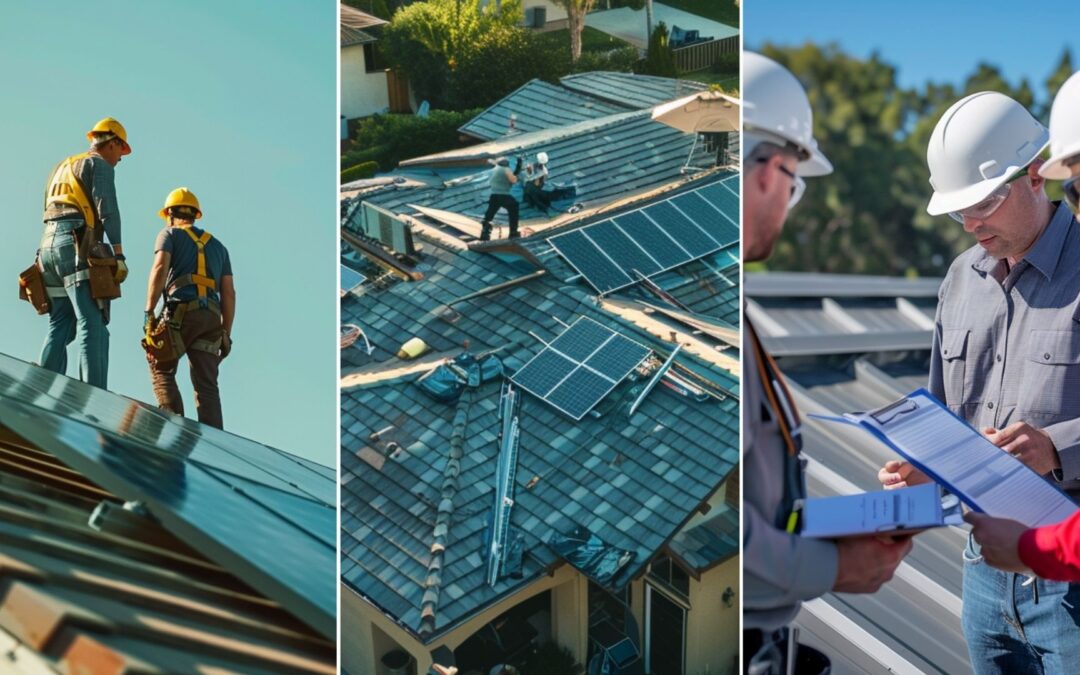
(958, 200)
(817, 165)
(164, 213)
(1055, 167)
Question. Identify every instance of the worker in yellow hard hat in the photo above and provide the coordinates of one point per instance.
(193, 275)
(82, 230)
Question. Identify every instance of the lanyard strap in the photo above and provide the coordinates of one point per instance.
(777, 394)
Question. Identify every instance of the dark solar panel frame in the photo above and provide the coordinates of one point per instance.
(598, 366)
(615, 253)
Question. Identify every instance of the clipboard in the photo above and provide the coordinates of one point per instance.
(956, 456)
(894, 513)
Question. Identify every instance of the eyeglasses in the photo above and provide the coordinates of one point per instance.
(798, 185)
(992, 203)
(1072, 197)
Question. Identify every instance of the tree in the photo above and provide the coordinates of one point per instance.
(869, 216)
(575, 19)
(428, 40)
(659, 60)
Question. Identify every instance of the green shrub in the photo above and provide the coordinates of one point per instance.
(659, 59)
(622, 60)
(727, 64)
(501, 61)
(388, 139)
(361, 170)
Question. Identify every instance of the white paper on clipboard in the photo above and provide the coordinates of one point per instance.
(962, 460)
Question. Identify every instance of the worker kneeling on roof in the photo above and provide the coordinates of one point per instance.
(192, 270)
(76, 273)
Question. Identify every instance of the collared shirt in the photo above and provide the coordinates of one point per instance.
(780, 569)
(98, 177)
(1007, 341)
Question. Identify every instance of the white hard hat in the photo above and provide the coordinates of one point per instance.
(542, 157)
(1064, 130)
(980, 142)
(776, 109)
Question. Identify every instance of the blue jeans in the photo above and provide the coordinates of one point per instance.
(77, 309)
(1008, 631)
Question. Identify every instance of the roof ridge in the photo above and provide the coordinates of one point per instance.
(429, 604)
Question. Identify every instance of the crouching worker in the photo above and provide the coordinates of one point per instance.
(193, 274)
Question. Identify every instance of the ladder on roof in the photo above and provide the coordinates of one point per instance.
(509, 437)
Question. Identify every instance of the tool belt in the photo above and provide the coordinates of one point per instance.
(32, 288)
(102, 272)
(166, 343)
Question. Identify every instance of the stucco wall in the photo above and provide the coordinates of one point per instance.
(362, 93)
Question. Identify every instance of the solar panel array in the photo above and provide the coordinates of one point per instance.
(266, 516)
(655, 238)
(580, 367)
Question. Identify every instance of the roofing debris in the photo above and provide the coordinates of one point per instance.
(418, 476)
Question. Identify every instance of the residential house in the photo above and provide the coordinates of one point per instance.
(648, 473)
(364, 87)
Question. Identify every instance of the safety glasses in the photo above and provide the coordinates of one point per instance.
(1069, 187)
(798, 185)
(992, 203)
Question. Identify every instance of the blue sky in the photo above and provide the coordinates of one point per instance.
(940, 41)
(235, 100)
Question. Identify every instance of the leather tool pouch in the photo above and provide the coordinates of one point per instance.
(32, 288)
(102, 264)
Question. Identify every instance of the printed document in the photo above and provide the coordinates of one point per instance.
(962, 460)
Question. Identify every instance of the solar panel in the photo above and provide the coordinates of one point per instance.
(694, 239)
(580, 367)
(655, 238)
(265, 516)
(350, 279)
(602, 273)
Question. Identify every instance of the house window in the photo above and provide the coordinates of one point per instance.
(373, 59)
(674, 578)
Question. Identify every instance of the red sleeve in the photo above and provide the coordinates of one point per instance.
(1053, 552)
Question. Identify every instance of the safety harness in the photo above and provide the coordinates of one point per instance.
(66, 188)
(199, 279)
(166, 343)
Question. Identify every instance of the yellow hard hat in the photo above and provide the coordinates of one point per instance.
(181, 196)
(110, 126)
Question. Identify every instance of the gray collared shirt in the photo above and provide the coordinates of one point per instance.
(780, 570)
(1007, 341)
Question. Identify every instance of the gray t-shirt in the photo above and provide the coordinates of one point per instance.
(184, 260)
(500, 181)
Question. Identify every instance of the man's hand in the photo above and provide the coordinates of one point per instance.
(149, 324)
(1029, 445)
(226, 345)
(121, 270)
(898, 474)
(1000, 540)
(868, 562)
